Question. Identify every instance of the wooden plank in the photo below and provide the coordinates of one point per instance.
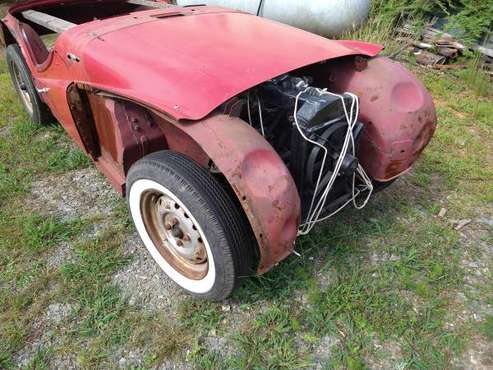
(151, 4)
(48, 21)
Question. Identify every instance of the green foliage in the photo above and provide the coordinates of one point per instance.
(470, 18)
(473, 18)
(478, 81)
(487, 327)
(203, 315)
(269, 341)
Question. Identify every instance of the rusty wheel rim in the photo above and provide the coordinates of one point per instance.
(174, 234)
(21, 86)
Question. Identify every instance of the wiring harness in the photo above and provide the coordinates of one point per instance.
(320, 198)
(315, 132)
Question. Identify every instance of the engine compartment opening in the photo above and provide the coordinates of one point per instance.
(316, 133)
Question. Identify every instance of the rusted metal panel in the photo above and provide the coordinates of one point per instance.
(397, 110)
(125, 130)
(139, 133)
(105, 127)
(84, 120)
(259, 178)
(115, 132)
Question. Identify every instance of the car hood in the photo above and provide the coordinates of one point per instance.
(188, 61)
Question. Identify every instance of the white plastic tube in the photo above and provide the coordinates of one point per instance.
(324, 17)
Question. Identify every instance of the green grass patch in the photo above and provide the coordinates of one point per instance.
(487, 327)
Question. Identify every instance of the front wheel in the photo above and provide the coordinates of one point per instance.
(21, 77)
(189, 224)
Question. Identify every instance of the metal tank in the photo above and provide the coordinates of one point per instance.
(324, 17)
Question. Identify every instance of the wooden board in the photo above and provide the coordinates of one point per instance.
(151, 4)
(48, 21)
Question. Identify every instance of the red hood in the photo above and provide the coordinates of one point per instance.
(188, 61)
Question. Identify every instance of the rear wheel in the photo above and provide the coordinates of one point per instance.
(24, 86)
(189, 224)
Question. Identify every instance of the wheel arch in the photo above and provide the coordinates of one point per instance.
(6, 36)
(258, 176)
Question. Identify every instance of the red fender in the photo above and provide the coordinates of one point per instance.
(259, 178)
(398, 113)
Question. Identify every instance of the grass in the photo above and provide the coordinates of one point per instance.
(376, 288)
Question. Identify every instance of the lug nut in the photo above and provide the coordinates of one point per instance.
(186, 238)
(168, 226)
(179, 243)
(174, 221)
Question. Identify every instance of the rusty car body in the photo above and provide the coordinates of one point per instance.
(127, 79)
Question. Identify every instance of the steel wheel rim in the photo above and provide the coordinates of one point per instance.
(21, 87)
(173, 232)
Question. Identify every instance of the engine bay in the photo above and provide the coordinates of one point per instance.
(316, 133)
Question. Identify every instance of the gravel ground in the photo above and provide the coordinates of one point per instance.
(76, 194)
(85, 193)
(144, 283)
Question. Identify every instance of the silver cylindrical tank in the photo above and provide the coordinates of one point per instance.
(324, 17)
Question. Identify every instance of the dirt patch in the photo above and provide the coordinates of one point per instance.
(323, 352)
(144, 283)
(477, 264)
(386, 355)
(480, 357)
(46, 338)
(60, 255)
(76, 194)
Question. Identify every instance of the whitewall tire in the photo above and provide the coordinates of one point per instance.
(190, 225)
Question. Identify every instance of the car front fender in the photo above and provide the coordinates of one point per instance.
(260, 179)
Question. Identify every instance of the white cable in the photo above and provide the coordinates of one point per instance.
(260, 116)
(248, 108)
(321, 204)
(259, 113)
(315, 210)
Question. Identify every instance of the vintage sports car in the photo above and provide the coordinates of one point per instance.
(229, 134)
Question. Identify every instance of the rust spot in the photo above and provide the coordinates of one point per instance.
(374, 98)
(394, 168)
(276, 205)
(360, 63)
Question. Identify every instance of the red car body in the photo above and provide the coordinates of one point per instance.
(151, 79)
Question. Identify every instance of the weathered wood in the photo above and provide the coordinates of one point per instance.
(429, 59)
(48, 21)
(151, 4)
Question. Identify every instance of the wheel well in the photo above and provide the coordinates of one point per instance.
(226, 185)
(116, 132)
(6, 37)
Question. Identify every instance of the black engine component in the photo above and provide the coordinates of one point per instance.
(321, 118)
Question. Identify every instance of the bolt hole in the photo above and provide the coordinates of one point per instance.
(186, 215)
(244, 198)
(194, 227)
(403, 151)
(200, 240)
(177, 206)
